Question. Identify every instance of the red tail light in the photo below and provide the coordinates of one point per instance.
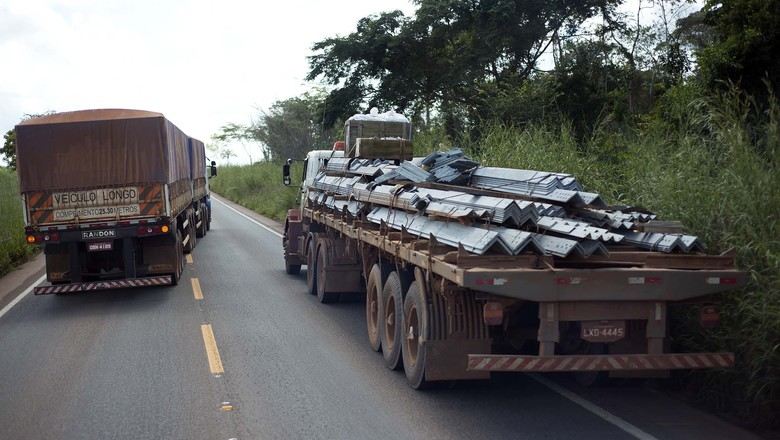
(709, 317)
(493, 313)
(149, 230)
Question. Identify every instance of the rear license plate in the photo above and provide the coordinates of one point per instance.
(98, 234)
(100, 246)
(603, 331)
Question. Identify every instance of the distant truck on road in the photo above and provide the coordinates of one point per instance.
(114, 197)
(444, 313)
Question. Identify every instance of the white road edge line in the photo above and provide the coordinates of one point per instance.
(595, 409)
(21, 296)
(249, 218)
(589, 406)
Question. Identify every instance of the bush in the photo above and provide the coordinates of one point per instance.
(13, 249)
(712, 163)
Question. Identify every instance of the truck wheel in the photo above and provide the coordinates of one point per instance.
(291, 269)
(415, 332)
(191, 232)
(201, 231)
(374, 312)
(392, 309)
(322, 264)
(179, 266)
(311, 267)
(208, 218)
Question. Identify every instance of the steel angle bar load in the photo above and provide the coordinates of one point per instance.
(499, 210)
(553, 187)
(334, 184)
(577, 229)
(475, 240)
(386, 195)
(667, 243)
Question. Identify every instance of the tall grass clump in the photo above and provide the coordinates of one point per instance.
(712, 163)
(258, 187)
(13, 249)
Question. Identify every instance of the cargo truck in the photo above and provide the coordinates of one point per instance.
(114, 197)
(444, 313)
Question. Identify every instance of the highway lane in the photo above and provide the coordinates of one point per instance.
(133, 364)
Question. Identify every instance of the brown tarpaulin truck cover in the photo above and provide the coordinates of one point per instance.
(100, 148)
(197, 158)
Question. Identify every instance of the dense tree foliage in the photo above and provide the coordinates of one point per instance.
(9, 149)
(743, 43)
(455, 57)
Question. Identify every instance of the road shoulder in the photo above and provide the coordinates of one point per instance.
(20, 278)
(270, 223)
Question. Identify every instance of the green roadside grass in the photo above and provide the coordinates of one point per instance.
(258, 187)
(13, 249)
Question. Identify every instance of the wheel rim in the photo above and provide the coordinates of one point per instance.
(320, 275)
(390, 322)
(412, 336)
(373, 310)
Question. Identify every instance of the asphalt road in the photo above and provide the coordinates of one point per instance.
(134, 365)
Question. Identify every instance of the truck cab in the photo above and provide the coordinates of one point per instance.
(373, 126)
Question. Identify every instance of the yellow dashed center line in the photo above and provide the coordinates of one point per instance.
(196, 289)
(189, 259)
(215, 362)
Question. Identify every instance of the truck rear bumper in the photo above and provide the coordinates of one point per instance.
(602, 362)
(163, 280)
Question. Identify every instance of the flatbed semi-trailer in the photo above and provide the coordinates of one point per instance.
(448, 314)
(114, 197)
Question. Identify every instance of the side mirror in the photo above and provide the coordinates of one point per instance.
(213, 168)
(286, 173)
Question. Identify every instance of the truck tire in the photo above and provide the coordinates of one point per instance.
(392, 308)
(374, 312)
(192, 234)
(179, 266)
(291, 269)
(324, 296)
(415, 333)
(311, 266)
(202, 229)
(208, 218)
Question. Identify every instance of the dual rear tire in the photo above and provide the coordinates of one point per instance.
(403, 325)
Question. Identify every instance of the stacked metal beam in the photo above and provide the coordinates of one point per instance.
(553, 187)
(542, 212)
(656, 241)
(476, 240)
(578, 230)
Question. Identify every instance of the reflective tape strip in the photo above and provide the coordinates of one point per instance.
(599, 362)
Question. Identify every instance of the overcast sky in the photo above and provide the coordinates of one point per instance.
(201, 63)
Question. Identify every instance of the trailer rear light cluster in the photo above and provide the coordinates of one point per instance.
(152, 230)
(493, 313)
(709, 316)
(48, 237)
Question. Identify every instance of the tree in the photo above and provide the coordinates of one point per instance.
(9, 149)
(453, 56)
(743, 39)
(226, 153)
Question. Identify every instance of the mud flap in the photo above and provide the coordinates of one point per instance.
(448, 359)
